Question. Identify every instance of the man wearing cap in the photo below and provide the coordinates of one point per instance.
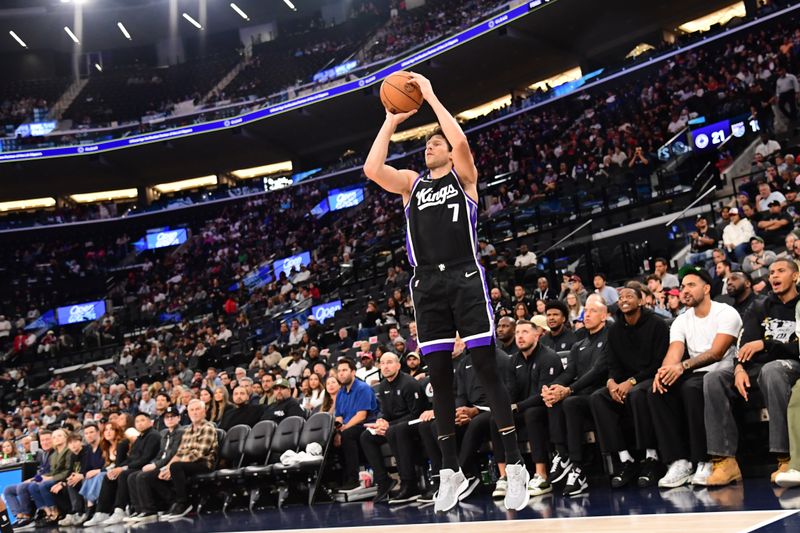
(674, 304)
(737, 234)
(637, 343)
(400, 399)
(368, 373)
(757, 263)
(774, 224)
(535, 365)
(768, 353)
(242, 412)
(143, 502)
(284, 405)
(415, 367)
(314, 330)
(558, 337)
(699, 339)
(704, 240)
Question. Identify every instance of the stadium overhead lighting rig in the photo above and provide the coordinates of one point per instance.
(290, 4)
(18, 39)
(239, 11)
(124, 30)
(192, 21)
(71, 35)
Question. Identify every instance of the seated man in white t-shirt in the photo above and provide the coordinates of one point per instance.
(699, 339)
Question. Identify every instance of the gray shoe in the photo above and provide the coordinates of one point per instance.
(451, 486)
(517, 495)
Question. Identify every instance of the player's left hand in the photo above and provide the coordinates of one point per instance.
(423, 83)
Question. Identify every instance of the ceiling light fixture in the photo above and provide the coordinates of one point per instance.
(192, 21)
(239, 11)
(124, 30)
(98, 67)
(290, 4)
(18, 39)
(71, 35)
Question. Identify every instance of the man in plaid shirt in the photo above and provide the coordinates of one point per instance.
(197, 454)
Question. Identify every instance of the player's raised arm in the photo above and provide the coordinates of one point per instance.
(375, 167)
(462, 156)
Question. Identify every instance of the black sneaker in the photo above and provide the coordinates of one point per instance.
(559, 469)
(650, 471)
(577, 483)
(408, 493)
(473, 481)
(626, 474)
(384, 489)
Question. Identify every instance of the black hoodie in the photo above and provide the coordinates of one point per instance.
(636, 351)
(773, 322)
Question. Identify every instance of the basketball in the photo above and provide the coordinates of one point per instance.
(398, 95)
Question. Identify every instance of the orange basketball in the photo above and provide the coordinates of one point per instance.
(398, 95)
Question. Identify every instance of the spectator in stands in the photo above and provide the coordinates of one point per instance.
(355, 405)
(558, 335)
(284, 405)
(703, 242)
(40, 492)
(737, 234)
(114, 494)
(296, 333)
(609, 294)
(756, 264)
(520, 296)
(242, 411)
(786, 90)
(503, 275)
(400, 399)
(567, 399)
(8, 453)
(774, 225)
(316, 394)
(637, 343)
(525, 259)
(766, 147)
(542, 291)
(574, 307)
(668, 281)
(141, 498)
(699, 339)
(69, 502)
(147, 404)
(506, 340)
(788, 252)
(533, 368)
(740, 293)
(220, 403)
(332, 388)
(768, 352)
(368, 373)
(78, 483)
(719, 283)
(17, 496)
(521, 312)
(197, 454)
(766, 196)
(296, 366)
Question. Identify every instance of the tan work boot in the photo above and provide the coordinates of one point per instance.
(724, 471)
(783, 466)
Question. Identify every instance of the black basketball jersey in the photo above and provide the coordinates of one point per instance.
(441, 221)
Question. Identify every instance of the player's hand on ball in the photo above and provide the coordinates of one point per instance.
(423, 83)
(398, 118)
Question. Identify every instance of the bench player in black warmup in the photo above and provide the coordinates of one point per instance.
(449, 286)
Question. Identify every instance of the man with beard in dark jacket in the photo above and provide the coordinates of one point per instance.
(243, 412)
(559, 338)
(637, 344)
(567, 399)
(534, 367)
(284, 405)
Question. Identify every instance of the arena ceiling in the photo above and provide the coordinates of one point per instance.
(565, 34)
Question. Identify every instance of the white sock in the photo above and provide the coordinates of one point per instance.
(625, 457)
(651, 454)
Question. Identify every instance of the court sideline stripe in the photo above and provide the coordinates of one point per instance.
(769, 521)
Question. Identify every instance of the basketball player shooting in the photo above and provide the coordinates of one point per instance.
(449, 285)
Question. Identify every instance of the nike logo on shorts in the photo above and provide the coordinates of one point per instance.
(470, 274)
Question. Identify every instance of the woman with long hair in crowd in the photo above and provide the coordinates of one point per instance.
(316, 393)
(574, 307)
(208, 399)
(220, 404)
(521, 311)
(8, 453)
(331, 390)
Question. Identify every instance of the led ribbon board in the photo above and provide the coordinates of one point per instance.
(482, 28)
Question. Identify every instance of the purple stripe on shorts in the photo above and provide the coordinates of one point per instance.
(482, 341)
(438, 347)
